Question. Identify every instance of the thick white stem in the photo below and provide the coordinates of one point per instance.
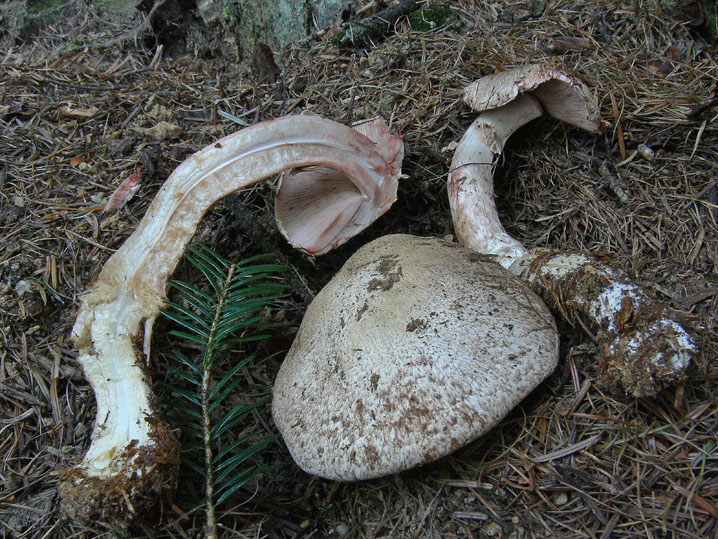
(471, 180)
(118, 312)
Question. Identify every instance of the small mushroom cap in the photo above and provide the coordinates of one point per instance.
(415, 348)
(563, 96)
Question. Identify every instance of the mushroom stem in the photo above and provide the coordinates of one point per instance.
(471, 181)
(133, 457)
(643, 345)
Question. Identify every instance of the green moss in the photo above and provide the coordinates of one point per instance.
(68, 47)
(228, 16)
(116, 6)
(42, 7)
(710, 25)
(430, 18)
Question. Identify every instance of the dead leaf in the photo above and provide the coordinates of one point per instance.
(81, 112)
(673, 53)
(161, 131)
(659, 67)
(570, 44)
(16, 109)
(76, 160)
(666, 65)
(123, 193)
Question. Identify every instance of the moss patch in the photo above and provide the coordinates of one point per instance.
(430, 18)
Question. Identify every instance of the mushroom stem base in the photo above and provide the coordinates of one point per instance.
(643, 344)
(141, 492)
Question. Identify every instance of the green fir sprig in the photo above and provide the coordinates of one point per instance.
(216, 322)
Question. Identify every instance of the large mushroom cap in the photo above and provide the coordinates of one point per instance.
(415, 348)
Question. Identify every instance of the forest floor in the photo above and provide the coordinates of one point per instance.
(74, 113)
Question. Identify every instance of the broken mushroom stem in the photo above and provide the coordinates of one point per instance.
(643, 344)
(133, 456)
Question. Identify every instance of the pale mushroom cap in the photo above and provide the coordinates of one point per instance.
(562, 95)
(415, 348)
(318, 208)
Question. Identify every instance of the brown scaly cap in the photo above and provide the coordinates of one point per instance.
(415, 348)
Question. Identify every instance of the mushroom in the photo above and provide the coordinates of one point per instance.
(132, 462)
(313, 201)
(643, 344)
(417, 346)
(507, 100)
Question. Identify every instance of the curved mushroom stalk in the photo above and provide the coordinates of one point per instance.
(643, 344)
(133, 459)
(507, 101)
(471, 181)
